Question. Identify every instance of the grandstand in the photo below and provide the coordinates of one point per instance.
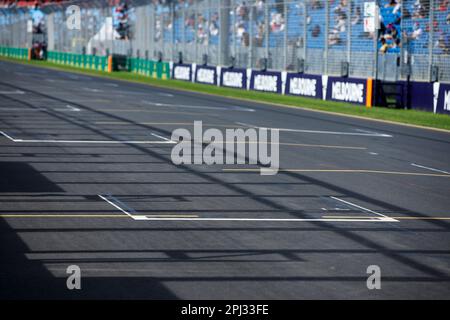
(282, 29)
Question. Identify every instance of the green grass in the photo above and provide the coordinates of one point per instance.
(411, 117)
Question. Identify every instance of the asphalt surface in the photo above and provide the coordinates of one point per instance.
(87, 180)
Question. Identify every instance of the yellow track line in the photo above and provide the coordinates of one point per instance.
(421, 218)
(63, 216)
(344, 171)
(397, 218)
(351, 217)
(90, 216)
(167, 215)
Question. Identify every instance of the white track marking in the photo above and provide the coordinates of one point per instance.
(116, 206)
(371, 134)
(87, 141)
(94, 141)
(373, 219)
(72, 108)
(330, 132)
(158, 104)
(92, 90)
(386, 218)
(161, 137)
(166, 94)
(169, 218)
(12, 92)
(139, 217)
(69, 108)
(232, 108)
(237, 108)
(246, 124)
(7, 136)
(428, 168)
(111, 85)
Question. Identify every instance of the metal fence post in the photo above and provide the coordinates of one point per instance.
(327, 25)
(208, 33)
(172, 19)
(349, 33)
(196, 31)
(285, 35)
(266, 21)
(305, 32)
(183, 38)
(234, 32)
(430, 39)
(250, 53)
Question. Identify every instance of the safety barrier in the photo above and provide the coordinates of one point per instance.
(428, 96)
(150, 68)
(17, 53)
(85, 61)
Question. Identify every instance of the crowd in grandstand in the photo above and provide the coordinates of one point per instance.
(120, 19)
(27, 3)
(257, 22)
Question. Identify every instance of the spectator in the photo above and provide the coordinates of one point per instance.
(444, 5)
(391, 4)
(277, 22)
(260, 35)
(444, 43)
(384, 46)
(316, 4)
(357, 16)
(213, 25)
(397, 8)
(419, 10)
(315, 31)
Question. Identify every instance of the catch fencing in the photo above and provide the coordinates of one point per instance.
(311, 36)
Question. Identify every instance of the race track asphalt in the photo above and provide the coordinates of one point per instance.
(86, 179)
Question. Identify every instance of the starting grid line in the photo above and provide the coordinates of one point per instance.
(165, 140)
(379, 218)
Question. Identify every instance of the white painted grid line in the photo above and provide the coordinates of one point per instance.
(161, 137)
(385, 218)
(68, 108)
(7, 136)
(343, 219)
(166, 94)
(429, 168)
(12, 92)
(88, 141)
(117, 207)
